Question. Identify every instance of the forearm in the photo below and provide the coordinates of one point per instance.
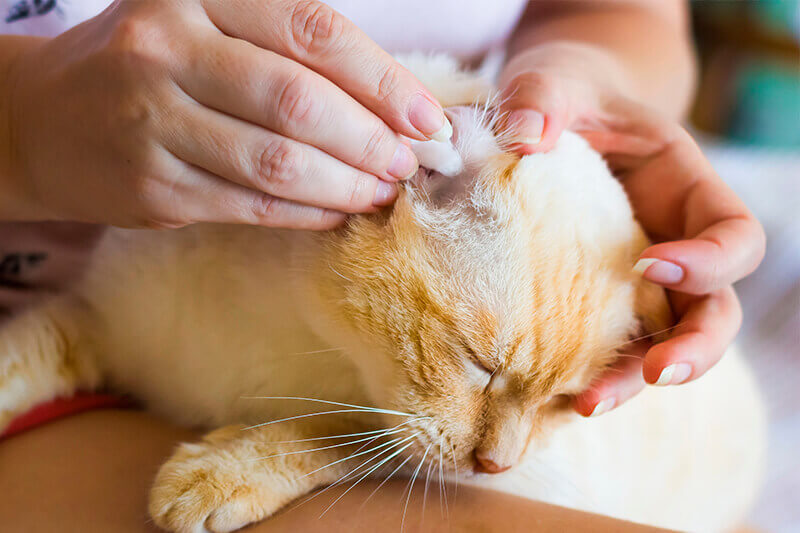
(15, 198)
(647, 44)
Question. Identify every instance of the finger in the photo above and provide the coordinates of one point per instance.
(318, 37)
(704, 333)
(538, 111)
(728, 247)
(269, 90)
(267, 162)
(677, 195)
(198, 196)
(617, 384)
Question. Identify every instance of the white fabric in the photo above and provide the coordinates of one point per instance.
(464, 28)
(46, 18)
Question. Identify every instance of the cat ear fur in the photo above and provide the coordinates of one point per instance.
(653, 310)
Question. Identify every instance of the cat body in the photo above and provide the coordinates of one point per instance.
(447, 328)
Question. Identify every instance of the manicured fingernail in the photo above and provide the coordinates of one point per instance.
(385, 194)
(658, 271)
(404, 163)
(603, 406)
(429, 119)
(527, 126)
(674, 374)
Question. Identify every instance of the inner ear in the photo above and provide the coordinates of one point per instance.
(439, 190)
(440, 175)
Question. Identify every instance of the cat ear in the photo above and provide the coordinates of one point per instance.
(441, 157)
(653, 310)
(440, 165)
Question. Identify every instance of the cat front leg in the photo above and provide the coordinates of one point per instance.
(44, 353)
(237, 476)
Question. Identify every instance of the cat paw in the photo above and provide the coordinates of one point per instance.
(204, 489)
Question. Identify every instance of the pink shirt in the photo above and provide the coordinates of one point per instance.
(39, 258)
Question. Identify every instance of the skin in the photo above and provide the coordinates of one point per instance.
(621, 73)
(184, 112)
(130, 446)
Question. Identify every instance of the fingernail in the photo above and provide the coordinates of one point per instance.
(429, 119)
(603, 406)
(385, 194)
(674, 374)
(658, 271)
(404, 163)
(527, 126)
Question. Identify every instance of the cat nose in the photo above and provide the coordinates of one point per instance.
(486, 463)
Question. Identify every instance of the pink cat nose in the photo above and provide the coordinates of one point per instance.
(486, 464)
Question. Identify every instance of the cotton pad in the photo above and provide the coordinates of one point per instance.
(441, 157)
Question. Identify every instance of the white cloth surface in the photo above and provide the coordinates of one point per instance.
(769, 181)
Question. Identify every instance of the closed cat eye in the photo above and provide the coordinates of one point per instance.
(481, 366)
(475, 360)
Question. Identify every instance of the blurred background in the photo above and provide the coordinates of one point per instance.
(747, 119)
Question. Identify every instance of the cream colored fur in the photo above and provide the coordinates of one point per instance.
(475, 304)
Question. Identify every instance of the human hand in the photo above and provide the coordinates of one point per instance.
(162, 114)
(707, 238)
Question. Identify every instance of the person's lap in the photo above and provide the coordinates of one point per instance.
(92, 473)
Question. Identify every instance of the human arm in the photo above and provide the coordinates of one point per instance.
(76, 466)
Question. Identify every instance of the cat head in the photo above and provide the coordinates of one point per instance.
(480, 301)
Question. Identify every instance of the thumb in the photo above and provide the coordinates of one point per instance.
(536, 111)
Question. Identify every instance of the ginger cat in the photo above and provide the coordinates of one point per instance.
(440, 334)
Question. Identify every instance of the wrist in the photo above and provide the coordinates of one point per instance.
(16, 198)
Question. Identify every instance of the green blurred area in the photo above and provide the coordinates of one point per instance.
(750, 70)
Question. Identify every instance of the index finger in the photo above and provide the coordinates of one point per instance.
(323, 40)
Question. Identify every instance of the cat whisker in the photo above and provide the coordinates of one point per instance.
(629, 341)
(427, 481)
(411, 486)
(387, 478)
(378, 432)
(353, 472)
(337, 411)
(326, 350)
(339, 273)
(350, 443)
(455, 471)
(395, 454)
(355, 454)
(442, 484)
(360, 407)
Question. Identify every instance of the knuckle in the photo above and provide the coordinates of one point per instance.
(533, 84)
(134, 116)
(265, 208)
(278, 166)
(147, 192)
(327, 219)
(375, 147)
(389, 83)
(314, 27)
(297, 106)
(358, 195)
(137, 36)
